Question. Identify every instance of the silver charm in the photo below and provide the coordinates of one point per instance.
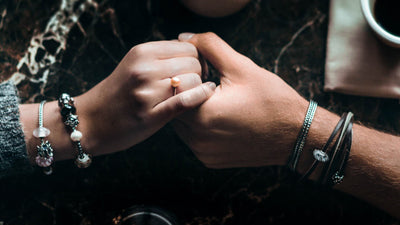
(72, 121)
(320, 155)
(48, 170)
(65, 99)
(336, 178)
(45, 150)
(83, 160)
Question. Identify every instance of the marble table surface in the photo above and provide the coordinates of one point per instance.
(49, 46)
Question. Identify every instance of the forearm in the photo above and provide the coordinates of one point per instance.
(373, 172)
(373, 169)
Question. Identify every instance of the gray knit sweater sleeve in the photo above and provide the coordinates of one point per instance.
(13, 156)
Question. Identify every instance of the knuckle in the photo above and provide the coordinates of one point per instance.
(191, 47)
(195, 63)
(194, 80)
(140, 97)
(140, 71)
(139, 50)
(209, 36)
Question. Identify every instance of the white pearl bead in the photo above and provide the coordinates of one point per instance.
(76, 135)
(175, 82)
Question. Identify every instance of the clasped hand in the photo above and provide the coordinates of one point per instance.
(246, 121)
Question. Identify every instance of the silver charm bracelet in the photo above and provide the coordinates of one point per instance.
(301, 139)
(44, 156)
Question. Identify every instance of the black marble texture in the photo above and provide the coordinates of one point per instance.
(284, 36)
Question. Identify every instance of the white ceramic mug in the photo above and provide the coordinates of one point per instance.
(367, 7)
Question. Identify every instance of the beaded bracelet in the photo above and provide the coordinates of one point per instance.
(44, 156)
(68, 110)
(301, 139)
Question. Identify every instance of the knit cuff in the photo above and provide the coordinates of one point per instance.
(13, 156)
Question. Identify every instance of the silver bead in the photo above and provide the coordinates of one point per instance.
(336, 179)
(320, 155)
(45, 150)
(83, 161)
(72, 121)
(48, 171)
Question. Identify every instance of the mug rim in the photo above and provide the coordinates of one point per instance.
(375, 26)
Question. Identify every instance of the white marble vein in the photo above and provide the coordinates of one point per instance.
(57, 30)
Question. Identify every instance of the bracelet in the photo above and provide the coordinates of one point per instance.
(333, 173)
(68, 110)
(301, 138)
(320, 155)
(338, 176)
(44, 156)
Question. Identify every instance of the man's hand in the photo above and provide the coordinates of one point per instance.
(252, 119)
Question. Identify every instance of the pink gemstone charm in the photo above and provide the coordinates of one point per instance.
(44, 162)
(41, 132)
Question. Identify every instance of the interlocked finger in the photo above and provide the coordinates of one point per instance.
(166, 90)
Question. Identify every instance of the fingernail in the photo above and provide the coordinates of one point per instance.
(185, 36)
(212, 85)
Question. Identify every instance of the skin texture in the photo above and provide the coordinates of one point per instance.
(254, 117)
(130, 105)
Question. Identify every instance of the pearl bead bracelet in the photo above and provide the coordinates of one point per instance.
(68, 110)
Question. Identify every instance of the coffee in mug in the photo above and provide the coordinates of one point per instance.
(387, 14)
(383, 16)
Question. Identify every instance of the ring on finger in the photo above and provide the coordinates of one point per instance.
(175, 82)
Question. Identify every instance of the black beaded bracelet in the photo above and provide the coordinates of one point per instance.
(70, 119)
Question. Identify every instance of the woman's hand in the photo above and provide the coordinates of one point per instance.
(137, 99)
(130, 105)
(252, 119)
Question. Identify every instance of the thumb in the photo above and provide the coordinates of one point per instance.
(222, 56)
(184, 101)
